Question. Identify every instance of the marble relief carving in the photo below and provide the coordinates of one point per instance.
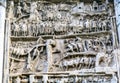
(61, 42)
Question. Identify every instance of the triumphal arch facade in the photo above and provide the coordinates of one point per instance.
(61, 41)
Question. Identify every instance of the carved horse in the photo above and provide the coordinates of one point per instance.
(76, 62)
(84, 62)
(18, 51)
(91, 62)
(102, 57)
(72, 46)
(63, 65)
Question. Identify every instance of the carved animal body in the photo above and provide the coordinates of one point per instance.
(102, 57)
(17, 51)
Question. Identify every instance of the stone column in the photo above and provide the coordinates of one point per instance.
(2, 23)
(49, 54)
(117, 12)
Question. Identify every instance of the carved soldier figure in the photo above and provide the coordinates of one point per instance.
(12, 66)
(42, 29)
(103, 7)
(30, 29)
(84, 80)
(94, 24)
(81, 25)
(114, 78)
(11, 10)
(97, 44)
(20, 51)
(70, 63)
(33, 7)
(110, 10)
(16, 29)
(91, 62)
(89, 45)
(39, 28)
(86, 62)
(24, 28)
(76, 62)
(72, 46)
(19, 10)
(34, 14)
(34, 28)
(50, 14)
(79, 44)
(81, 63)
(29, 66)
(65, 65)
(32, 78)
(108, 42)
(18, 80)
(48, 26)
(63, 25)
(99, 24)
(88, 25)
(95, 6)
(12, 29)
(88, 8)
(25, 7)
(104, 24)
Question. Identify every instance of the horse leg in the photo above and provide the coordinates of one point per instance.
(79, 67)
(14, 33)
(65, 68)
(76, 66)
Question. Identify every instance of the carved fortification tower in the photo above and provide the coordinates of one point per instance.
(61, 41)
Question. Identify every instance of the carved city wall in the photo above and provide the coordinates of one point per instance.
(61, 42)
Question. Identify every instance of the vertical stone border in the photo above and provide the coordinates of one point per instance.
(117, 12)
(2, 25)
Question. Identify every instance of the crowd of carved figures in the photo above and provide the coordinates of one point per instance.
(69, 79)
(66, 37)
(86, 62)
(80, 45)
(86, 79)
(37, 18)
(77, 63)
(32, 50)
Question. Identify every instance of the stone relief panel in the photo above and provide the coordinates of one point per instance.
(61, 42)
(25, 54)
(39, 18)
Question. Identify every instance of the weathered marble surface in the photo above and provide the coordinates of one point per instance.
(61, 42)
